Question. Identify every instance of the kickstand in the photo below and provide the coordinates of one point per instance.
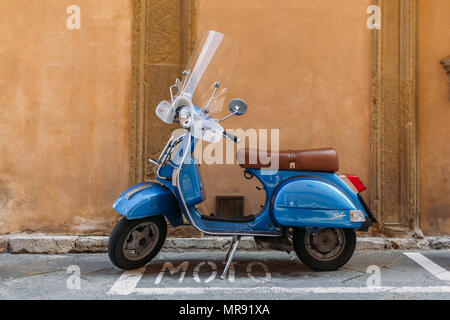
(230, 254)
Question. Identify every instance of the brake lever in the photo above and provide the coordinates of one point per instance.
(231, 136)
(153, 161)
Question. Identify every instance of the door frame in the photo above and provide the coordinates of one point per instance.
(394, 151)
(163, 35)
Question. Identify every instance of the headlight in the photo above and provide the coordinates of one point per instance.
(184, 116)
(165, 111)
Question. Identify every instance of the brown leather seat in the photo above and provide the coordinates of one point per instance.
(302, 160)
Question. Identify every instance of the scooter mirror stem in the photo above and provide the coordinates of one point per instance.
(185, 76)
(216, 86)
(228, 116)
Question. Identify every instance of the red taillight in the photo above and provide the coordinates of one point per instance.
(356, 182)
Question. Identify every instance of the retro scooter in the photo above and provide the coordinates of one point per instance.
(309, 208)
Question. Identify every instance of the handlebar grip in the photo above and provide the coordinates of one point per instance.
(231, 136)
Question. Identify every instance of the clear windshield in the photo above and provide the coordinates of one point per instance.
(212, 62)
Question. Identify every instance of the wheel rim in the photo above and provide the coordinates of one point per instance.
(140, 241)
(326, 244)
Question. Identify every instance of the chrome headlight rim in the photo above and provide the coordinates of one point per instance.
(184, 116)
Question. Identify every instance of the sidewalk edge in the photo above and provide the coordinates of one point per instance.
(60, 244)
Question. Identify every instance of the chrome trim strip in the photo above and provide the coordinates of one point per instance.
(344, 178)
(136, 190)
(176, 179)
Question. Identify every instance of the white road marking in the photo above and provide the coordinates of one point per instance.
(429, 265)
(128, 281)
(283, 290)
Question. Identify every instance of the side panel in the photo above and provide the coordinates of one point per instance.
(192, 183)
(149, 199)
(313, 202)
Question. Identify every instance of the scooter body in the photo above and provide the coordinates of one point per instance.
(308, 206)
(293, 199)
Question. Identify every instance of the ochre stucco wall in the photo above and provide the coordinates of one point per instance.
(64, 114)
(304, 68)
(434, 116)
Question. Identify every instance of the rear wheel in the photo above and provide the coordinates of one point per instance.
(326, 249)
(133, 243)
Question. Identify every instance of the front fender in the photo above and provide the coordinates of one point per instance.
(149, 199)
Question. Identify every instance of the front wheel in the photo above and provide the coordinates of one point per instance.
(133, 243)
(326, 249)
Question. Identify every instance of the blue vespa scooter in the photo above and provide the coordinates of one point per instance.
(308, 208)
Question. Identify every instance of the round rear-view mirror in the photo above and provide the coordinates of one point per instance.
(237, 106)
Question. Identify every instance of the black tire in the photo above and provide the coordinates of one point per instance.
(124, 229)
(315, 259)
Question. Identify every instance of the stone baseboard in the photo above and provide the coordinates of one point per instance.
(57, 244)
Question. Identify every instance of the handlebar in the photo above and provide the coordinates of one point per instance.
(231, 136)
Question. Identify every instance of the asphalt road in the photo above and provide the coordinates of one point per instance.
(256, 275)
